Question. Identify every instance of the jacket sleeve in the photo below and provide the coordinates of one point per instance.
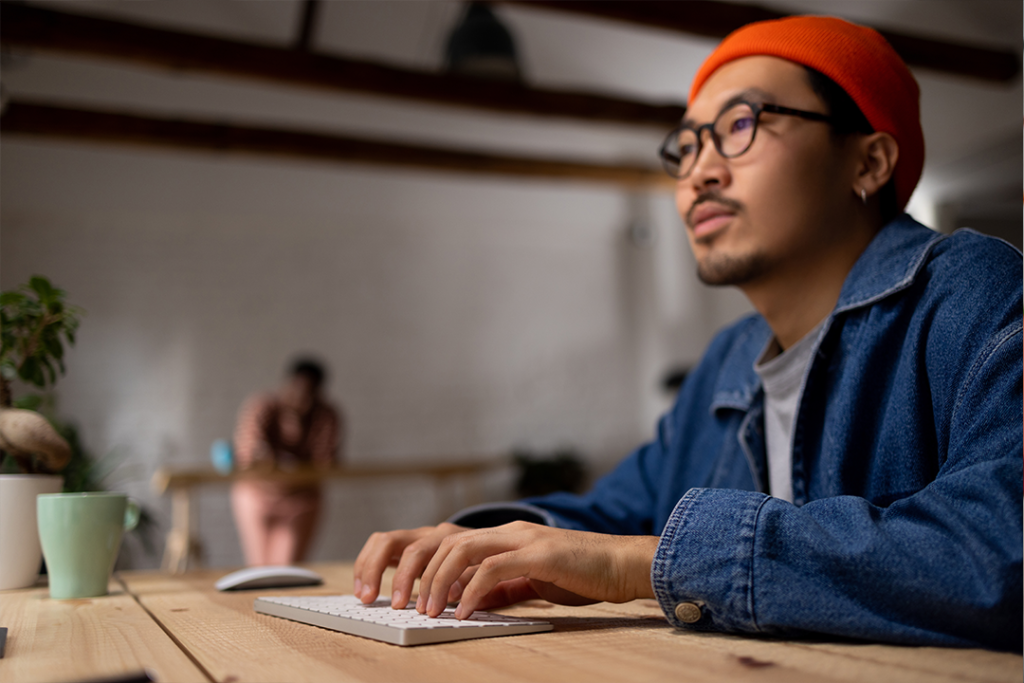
(940, 567)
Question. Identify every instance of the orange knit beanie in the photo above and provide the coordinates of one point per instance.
(858, 59)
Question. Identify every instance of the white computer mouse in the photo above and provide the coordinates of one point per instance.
(268, 577)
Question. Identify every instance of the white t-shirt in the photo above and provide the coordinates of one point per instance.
(782, 377)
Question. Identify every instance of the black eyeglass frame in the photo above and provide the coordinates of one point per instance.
(670, 161)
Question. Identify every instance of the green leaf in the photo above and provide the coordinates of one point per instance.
(11, 298)
(34, 319)
(28, 402)
(31, 372)
(47, 366)
(41, 286)
(52, 344)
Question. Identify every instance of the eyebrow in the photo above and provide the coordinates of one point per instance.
(750, 94)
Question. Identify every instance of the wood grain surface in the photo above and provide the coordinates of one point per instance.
(54, 641)
(603, 642)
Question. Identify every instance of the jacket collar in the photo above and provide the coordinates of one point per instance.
(889, 264)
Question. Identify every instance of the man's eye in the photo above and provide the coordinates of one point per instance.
(745, 123)
(687, 150)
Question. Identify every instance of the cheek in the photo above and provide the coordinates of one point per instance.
(684, 197)
(789, 187)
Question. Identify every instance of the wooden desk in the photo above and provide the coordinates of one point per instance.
(76, 640)
(183, 630)
(181, 545)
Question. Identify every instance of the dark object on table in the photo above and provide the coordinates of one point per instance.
(541, 475)
(143, 676)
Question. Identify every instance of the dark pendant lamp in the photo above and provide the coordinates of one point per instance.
(481, 46)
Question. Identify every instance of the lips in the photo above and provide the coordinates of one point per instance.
(708, 217)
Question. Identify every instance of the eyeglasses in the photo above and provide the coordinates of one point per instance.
(732, 132)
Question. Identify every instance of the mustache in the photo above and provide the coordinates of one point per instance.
(712, 196)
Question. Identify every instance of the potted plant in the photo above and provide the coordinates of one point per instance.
(35, 323)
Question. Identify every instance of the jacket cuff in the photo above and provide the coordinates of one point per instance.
(702, 572)
(496, 514)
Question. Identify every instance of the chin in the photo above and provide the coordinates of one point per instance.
(722, 270)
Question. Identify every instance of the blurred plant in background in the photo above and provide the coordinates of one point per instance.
(35, 324)
(33, 320)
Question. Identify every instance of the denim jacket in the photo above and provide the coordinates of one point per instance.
(908, 462)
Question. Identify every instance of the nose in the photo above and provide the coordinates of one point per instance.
(710, 168)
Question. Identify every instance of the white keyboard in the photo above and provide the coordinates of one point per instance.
(346, 613)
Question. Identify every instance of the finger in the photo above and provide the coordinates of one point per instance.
(381, 550)
(432, 600)
(442, 539)
(455, 592)
(455, 555)
(493, 571)
(410, 567)
(414, 558)
(359, 567)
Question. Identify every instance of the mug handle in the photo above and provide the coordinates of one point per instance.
(132, 512)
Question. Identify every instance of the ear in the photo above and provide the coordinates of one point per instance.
(878, 154)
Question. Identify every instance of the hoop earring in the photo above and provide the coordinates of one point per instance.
(864, 196)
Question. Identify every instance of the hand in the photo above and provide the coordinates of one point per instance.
(567, 566)
(408, 549)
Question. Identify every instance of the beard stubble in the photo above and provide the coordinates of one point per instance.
(724, 270)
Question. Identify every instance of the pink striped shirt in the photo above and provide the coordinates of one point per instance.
(266, 431)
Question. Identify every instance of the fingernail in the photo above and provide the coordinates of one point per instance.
(419, 604)
(460, 612)
(396, 599)
(455, 592)
(430, 604)
(358, 587)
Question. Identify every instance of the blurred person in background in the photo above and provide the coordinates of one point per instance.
(290, 429)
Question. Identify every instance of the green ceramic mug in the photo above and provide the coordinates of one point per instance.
(81, 534)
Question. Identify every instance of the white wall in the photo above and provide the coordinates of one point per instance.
(460, 317)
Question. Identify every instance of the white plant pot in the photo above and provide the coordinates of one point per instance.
(20, 552)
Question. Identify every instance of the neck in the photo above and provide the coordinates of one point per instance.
(801, 293)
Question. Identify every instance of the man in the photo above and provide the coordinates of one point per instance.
(295, 427)
(849, 460)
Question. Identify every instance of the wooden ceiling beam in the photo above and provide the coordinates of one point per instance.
(34, 119)
(41, 29)
(717, 19)
(307, 25)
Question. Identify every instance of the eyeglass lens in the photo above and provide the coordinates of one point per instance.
(732, 133)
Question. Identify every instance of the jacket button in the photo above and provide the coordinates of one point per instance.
(688, 612)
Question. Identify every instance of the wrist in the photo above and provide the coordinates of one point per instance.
(636, 558)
